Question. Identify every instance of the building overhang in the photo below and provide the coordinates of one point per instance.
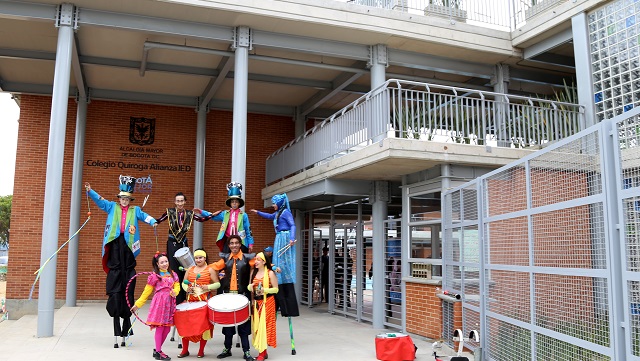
(348, 177)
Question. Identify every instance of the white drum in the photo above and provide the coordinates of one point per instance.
(228, 309)
(185, 258)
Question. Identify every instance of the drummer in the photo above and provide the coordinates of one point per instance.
(236, 266)
(200, 281)
(180, 220)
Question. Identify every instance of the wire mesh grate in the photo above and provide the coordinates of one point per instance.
(573, 305)
(549, 348)
(571, 237)
(508, 341)
(634, 315)
(569, 172)
(509, 294)
(631, 217)
(506, 191)
(470, 204)
(508, 242)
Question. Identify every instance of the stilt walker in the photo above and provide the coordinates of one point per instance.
(120, 247)
(284, 257)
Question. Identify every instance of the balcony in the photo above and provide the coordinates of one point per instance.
(427, 113)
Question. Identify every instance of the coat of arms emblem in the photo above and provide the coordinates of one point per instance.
(142, 131)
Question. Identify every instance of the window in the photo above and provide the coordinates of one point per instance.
(425, 233)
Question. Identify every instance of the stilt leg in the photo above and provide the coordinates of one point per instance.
(293, 345)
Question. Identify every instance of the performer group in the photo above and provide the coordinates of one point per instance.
(240, 292)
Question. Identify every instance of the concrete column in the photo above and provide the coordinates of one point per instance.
(378, 62)
(500, 83)
(378, 198)
(405, 232)
(584, 75)
(77, 196)
(55, 157)
(242, 44)
(500, 79)
(198, 193)
(378, 120)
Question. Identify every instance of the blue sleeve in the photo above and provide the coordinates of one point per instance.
(141, 216)
(102, 203)
(267, 215)
(288, 218)
(220, 216)
(247, 229)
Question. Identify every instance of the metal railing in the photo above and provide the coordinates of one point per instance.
(427, 112)
(505, 15)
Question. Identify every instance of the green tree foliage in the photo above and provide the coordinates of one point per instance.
(5, 218)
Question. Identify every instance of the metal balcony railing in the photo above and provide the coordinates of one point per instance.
(505, 15)
(427, 112)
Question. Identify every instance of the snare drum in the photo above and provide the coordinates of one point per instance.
(191, 318)
(228, 309)
(185, 258)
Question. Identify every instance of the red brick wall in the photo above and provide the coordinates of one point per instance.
(107, 131)
(424, 310)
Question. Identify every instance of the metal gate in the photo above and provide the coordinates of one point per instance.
(545, 251)
(311, 267)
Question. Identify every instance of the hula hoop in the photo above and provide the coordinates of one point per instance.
(126, 294)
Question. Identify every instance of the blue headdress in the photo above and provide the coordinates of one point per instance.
(281, 200)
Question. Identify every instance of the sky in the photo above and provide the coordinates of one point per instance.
(9, 114)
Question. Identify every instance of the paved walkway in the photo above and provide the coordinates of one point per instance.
(84, 333)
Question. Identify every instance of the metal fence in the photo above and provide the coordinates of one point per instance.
(545, 251)
(507, 15)
(428, 112)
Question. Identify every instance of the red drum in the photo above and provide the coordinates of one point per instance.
(228, 309)
(191, 318)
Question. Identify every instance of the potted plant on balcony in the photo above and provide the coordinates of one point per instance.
(446, 8)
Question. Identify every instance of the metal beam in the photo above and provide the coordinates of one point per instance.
(212, 88)
(322, 96)
(27, 11)
(76, 67)
(311, 45)
(149, 98)
(549, 43)
(439, 64)
(156, 25)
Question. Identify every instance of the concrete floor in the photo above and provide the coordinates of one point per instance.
(84, 332)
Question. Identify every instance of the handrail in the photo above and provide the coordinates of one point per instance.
(429, 112)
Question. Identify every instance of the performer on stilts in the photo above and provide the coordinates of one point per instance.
(120, 247)
(200, 281)
(234, 221)
(284, 257)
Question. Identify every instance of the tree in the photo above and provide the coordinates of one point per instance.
(5, 219)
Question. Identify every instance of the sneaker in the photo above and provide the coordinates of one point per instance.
(247, 356)
(225, 353)
(163, 356)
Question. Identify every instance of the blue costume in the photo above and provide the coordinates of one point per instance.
(112, 226)
(284, 258)
(285, 231)
(120, 247)
(234, 221)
